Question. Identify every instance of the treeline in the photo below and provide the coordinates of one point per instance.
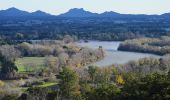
(99, 84)
(146, 79)
(58, 54)
(84, 28)
(159, 46)
(147, 65)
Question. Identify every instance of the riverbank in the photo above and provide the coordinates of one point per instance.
(158, 46)
(112, 54)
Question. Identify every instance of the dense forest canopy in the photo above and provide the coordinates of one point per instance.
(35, 28)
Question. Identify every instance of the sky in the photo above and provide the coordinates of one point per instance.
(121, 6)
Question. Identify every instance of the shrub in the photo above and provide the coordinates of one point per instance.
(2, 83)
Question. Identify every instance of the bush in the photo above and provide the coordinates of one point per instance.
(2, 83)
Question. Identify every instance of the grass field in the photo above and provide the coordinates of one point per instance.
(30, 64)
(48, 84)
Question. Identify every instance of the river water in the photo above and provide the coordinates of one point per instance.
(112, 55)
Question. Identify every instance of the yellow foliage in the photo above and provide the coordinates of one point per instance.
(78, 65)
(22, 81)
(2, 83)
(119, 80)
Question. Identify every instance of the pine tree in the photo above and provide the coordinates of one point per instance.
(8, 67)
(69, 84)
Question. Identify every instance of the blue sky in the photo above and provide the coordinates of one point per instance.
(61, 6)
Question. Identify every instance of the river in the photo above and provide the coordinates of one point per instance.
(112, 55)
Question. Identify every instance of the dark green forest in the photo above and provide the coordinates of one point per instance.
(88, 28)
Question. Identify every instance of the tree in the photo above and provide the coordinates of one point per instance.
(8, 67)
(35, 93)
(150, 87)
(2, 83)
(68, 39)
(69, 84)
(103, 76)
(106, 92)
(63, 59)
(52, 64)
(19, 36)
(92, 70)
(120, 80)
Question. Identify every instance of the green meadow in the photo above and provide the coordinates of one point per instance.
(30, 64)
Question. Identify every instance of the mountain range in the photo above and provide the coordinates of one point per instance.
(76, 12)
(16, 12)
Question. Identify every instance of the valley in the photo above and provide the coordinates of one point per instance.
(84, 55)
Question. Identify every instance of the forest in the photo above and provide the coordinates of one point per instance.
(56, 70)
(159, 46)
(40, 59)
(90, 28)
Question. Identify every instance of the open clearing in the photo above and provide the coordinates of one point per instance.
(30, 64)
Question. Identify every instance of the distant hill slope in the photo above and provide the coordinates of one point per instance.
(39, 13)
(80, 12)
(109, 14)
(16, 12)
(13, 12)
(166, 15)
(76, 12)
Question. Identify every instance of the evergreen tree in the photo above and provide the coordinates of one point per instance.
(69, 84)
(8, 67)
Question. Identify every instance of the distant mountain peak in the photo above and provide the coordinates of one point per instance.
(75, 12)
(110, 14)
(77, 9)
(16, 12)
(12, 8)
(78, 12)
(39, 13)
(165, 14)
(13, 12)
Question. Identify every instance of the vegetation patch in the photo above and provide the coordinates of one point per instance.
(30, 64)
(47, 84)
(159, 46)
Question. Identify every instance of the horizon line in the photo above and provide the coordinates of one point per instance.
(78, 8)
